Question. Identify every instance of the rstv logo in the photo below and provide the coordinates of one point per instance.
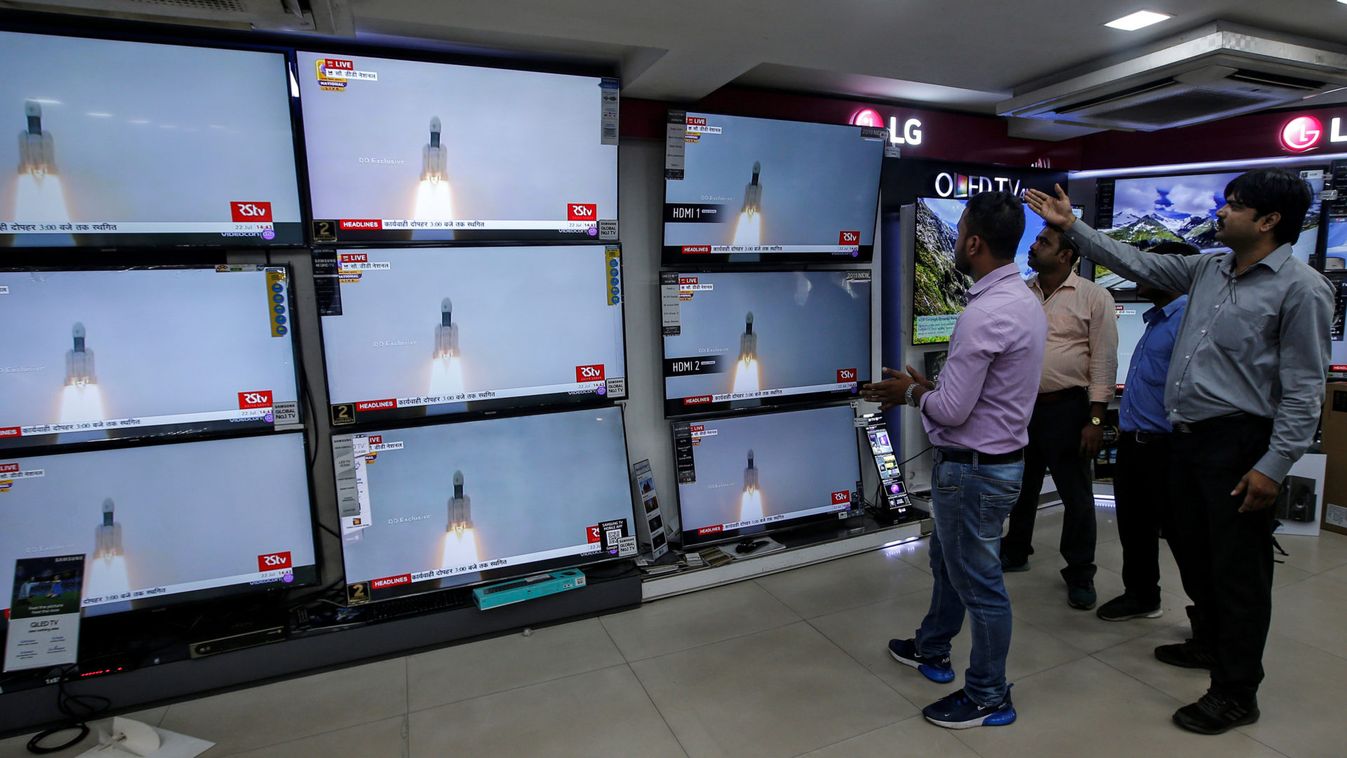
(581, 211)
(592, 373)
(274, 561)
(251, 400)
(254, 212)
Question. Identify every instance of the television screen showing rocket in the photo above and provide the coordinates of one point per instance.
(402, 150)
(164, 524)
(746, 190)
(745, 475)
(439, 331)
(449, 505)
(749, 339)
(132, 144)
(122, 353)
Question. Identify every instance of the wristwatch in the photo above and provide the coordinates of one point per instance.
(909, 397)
(1096, 421)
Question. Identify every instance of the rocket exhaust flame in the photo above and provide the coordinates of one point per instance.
(459, 547)
(39, 197)
(81, 398)
(748, 229)
(750, 502)
(747, 375)
(434, 198)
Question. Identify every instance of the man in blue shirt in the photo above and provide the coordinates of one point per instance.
(1140, 484)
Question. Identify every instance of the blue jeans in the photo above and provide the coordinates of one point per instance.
(970, 503)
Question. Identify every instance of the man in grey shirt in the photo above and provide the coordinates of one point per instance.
(1243, 393)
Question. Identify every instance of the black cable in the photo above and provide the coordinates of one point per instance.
(329, 530)
(918, 455)
(80, 709)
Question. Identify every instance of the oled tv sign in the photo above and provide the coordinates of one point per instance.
(1302, 134)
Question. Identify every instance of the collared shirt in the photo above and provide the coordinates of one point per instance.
(1255, 343)
(1143, 401)
(987, 389)
(1082, 346)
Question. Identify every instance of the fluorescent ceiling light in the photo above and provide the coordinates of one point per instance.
(1141, 20)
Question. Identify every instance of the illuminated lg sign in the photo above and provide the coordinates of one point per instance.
(1304, 133)
(910, 134)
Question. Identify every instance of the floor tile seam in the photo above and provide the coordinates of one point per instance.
(648, 696)
(857, 736)
(868, 671)
(290, 740)
(515, 688)
(707, 644)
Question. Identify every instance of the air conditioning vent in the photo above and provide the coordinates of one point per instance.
(1215, 72)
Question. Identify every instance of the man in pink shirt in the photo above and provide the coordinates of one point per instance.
(977, 419)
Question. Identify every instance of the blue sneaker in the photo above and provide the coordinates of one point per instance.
(957, 711)
(937, 670)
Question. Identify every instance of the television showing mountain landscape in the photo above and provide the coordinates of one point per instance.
(1337, 242)
(1150, 210)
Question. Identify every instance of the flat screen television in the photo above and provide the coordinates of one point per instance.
(1131, 325)
(939, 291)
(403, 150)
(164, 524)
(748, 339)
(437, 331)
(126, 144)
(741, 189)
(118, 353)
(1149, 210)
(1335, 246)
(744, 475)
(434, 507)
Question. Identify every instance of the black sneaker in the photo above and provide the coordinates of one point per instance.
(957, 711)
(1125, 607)
(1216, 714)
(1008, 567)
(1081, 597)
(1187, 654)
(938, 670)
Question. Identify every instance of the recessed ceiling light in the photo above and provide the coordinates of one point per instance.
(1141, 20)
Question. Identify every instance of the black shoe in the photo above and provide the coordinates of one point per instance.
(1188, 654)
(1007, 567)
(938, 670)
(1125, 607)
(957, 711)
(1081, 596)
(1216, 714)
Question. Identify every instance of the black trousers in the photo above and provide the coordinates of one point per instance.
(1054, 445)
(1225, 556)
(1141, 494)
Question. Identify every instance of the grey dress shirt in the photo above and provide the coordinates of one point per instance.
(1256, 343)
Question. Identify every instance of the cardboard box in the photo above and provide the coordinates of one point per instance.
(1335, 447)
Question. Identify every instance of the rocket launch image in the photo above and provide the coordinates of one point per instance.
(750, 502)
(446, 368)
(39, 196)
(460, 539)
(748, 230)
(81, 398)
(434, 197)
(106, 572)
(747, 374)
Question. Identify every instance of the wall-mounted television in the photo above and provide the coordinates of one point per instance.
(164, 524)
(747, 339)
(119, 353)
(1149, 210)
(751, 474)
(438, 331)
(1131, 325)
(749, 190)
(433, 507)
(126, 144)
(403, 150)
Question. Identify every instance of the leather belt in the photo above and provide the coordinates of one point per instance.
(964, 455)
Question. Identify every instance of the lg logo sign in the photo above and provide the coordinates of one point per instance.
(910, 134)
(254, 212)
(581, 211)
(1304, 133)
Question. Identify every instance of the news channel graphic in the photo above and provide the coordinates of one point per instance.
(436, 331)
(409, 150)
(939, 291)
(450, 505)
(749, 474)
(745, 339)
(166, 145)
(1182, 208)
(248, 527)
(739, 188)
(115, 354)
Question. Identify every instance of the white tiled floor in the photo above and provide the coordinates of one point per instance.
(795, 664)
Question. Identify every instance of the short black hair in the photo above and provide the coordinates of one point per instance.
(998, 218)
(1174, 247)
(1274, 190)
(1064, 242)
